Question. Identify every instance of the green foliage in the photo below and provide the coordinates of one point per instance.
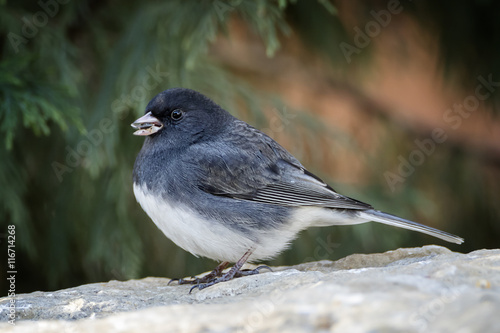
(27, 103)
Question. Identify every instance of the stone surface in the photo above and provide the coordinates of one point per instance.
(429, 289)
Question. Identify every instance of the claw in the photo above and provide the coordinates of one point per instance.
(247, 272)
(191, 289)
(264, 266)
(202, 286)
(171, 280)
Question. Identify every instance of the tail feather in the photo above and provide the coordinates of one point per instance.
(378, 216)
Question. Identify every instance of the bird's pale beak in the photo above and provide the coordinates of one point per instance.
(147, 125)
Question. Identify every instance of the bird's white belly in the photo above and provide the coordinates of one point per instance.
(191, 231)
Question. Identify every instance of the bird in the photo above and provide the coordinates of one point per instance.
(221, 189)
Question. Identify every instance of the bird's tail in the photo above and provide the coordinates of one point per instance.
(377, 216)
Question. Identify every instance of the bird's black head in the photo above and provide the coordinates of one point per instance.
(180, 117)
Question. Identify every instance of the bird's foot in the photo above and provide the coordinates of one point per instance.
(217, 272)
(217, 276)
(246, 272)
(234, 272)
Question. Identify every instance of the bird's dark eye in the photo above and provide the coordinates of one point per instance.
(177, 114)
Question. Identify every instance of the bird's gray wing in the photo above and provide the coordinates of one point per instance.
(249, 165)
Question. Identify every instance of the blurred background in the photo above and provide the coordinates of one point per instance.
(392, 102)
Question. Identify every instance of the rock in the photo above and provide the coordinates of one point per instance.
(429, 289)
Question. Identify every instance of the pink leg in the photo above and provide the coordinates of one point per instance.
(234, 272)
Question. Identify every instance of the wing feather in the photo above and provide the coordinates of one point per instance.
(291, 196)
(249, 165)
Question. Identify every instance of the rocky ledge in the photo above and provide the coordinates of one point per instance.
(428, 289)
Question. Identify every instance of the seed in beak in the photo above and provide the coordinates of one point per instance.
(147, 125)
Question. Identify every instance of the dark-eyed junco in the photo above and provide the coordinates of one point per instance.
(219, 188)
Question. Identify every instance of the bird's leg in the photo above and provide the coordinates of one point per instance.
(217, 272)
(234, 272)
